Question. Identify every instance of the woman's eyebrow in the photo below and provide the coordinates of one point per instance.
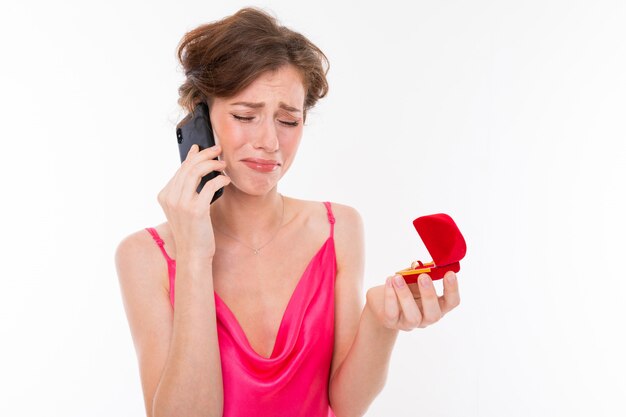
(259, 105)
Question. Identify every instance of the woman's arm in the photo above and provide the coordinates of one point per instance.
(362, 349)
(179, 358)
(365, 336)
(362, 375)
(191, 384)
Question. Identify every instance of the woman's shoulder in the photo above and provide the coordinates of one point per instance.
(348, 223)
(137, 255)
(140, 242)
(343, 213)
(312, 213)
(348, 232)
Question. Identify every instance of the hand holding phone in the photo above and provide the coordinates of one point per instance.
(188, 213)
(196, 129)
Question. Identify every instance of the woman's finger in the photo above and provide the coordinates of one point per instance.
(412, 317)
(175, 189)
(195, 155)
(195, 175)
(431, 312)
(391, 307)
(450, 297)
(210, 188)
(181, 174)
(195, 166)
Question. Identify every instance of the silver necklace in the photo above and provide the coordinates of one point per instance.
(258, 250)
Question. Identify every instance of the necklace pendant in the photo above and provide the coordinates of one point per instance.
(256, 251)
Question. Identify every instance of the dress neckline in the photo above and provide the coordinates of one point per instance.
(281, 326)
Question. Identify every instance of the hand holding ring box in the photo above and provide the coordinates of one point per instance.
(444, 242)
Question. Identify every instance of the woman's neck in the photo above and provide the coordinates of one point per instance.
(246, 217)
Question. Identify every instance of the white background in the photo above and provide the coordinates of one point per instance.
(507, 115)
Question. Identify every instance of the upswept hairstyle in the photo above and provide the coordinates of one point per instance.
(222, 58)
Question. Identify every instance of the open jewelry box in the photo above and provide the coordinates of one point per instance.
(444, 242)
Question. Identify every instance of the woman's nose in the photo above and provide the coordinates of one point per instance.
(267, 136)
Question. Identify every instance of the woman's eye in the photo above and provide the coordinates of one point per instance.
(247, 119)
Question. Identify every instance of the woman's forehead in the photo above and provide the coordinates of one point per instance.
(284, 84)
(261, 104)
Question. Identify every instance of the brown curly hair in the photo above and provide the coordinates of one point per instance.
(222, 58)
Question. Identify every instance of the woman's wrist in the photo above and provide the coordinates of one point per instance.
(192, 260)
(370, 317)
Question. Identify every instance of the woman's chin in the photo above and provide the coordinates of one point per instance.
(255, 188)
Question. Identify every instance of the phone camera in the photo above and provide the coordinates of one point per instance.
(179, 135)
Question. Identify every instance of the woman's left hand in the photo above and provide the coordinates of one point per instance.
(407, 306)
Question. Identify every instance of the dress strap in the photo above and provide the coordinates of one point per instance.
(331, 217)
(159, 241)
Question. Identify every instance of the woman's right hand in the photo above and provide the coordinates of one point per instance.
(188, 213)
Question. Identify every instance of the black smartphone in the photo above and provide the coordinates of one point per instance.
(196, 129)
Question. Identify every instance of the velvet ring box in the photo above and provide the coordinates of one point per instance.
(444, 242)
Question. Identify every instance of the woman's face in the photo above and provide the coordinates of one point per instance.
(259, 129)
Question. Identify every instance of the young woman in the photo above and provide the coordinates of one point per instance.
(252, 305)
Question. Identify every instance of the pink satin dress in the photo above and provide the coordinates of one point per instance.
(293, 381)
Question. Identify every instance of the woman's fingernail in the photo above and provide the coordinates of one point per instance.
(399, 281)
(388, 282)
(451, 278)
(425, 281)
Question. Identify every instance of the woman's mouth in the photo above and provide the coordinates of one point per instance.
(261, 165)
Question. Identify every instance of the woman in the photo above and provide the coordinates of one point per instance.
(258, 308)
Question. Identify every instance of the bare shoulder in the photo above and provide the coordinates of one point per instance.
(348, 221)
(140, 269)
(348, 229)
(349, 237)
(347, 218)
(138, 258)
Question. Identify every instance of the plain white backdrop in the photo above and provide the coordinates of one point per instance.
(507, 115)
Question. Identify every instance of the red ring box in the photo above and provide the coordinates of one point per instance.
(444, 242)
